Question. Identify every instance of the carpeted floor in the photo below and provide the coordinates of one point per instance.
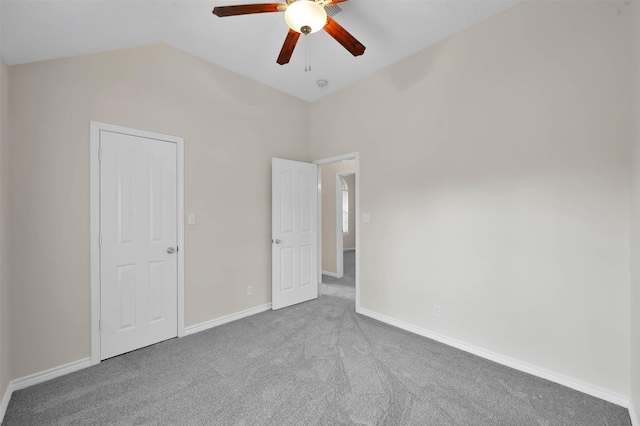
(316, 363)
(349, 266)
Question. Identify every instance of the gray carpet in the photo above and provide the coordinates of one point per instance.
(316, 363)
(349, 266)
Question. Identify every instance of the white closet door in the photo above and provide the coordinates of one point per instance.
(138, 227)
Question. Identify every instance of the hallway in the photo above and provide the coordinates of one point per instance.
(349, 277)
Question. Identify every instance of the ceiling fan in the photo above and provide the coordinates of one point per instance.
(303, 17)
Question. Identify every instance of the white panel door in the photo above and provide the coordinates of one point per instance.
(294, 232)
(138, 227)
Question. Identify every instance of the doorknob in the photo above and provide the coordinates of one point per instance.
(171, 250)
(277, 241)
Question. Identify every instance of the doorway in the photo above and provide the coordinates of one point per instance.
(345, 224)
(137, 241)
(339, 209)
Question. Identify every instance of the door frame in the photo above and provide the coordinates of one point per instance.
(94, 175)
(339, 234)
(352, 156)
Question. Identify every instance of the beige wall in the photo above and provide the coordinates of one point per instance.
(229, 123)
(495, 169)
(329, 172)
(349, 240)
(5, 352)
(635, 219)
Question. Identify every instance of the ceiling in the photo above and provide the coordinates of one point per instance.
(249, 45)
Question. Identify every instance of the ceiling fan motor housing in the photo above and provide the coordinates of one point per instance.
(305, 16)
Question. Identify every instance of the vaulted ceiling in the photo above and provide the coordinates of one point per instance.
(249, 45)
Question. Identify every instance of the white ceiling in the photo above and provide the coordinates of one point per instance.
(249, 45)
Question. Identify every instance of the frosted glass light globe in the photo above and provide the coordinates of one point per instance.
(305, 13)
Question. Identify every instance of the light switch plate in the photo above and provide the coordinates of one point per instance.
(365, 217)
(191, 219)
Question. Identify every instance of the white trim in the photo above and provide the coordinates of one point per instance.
(181, 246)
(635, 421)
(338, 230)
(358, 229)
(6, 398)
(52, 373)
(197, 328)
(94, 183)
(320, 231)
(353, 156)
(94, 179)
(569, 382)
(331, 274)
(337, 159)
(42, 376)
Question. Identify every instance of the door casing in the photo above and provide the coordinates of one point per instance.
(94, 171)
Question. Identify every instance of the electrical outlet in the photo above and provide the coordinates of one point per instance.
(437, 311)
(250, 291)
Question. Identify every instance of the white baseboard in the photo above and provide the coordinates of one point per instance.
(52, 373)
(42, 376)
(192, 329)
(635, 421)
(504, 360)
(331, 274)
(5, 401)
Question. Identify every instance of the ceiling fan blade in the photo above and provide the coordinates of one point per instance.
(349, 42)
(247, 9)
(288, 46)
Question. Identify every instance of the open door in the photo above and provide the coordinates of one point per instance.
(294, 232)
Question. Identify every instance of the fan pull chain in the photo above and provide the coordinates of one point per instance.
(307, 54)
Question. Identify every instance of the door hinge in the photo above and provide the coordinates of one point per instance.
(177, 249)
(99, 155)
